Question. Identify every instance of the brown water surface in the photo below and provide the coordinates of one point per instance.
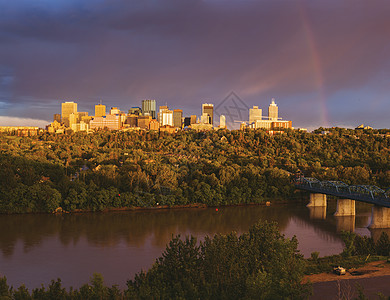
(37, 248)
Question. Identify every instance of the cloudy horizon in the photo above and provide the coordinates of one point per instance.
(325, 63)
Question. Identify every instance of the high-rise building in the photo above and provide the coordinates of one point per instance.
(187, 121)
(111, 122)
(273, 111)
(68, 108)
(100, 110)
(149, 108)
(132, 120)
(81, 114)
(205, 118)
(255, 114)
(193, 119)
(57, 117)
(144, 121)
(115, 111)
(73, 119)
(177, 117)
(165, 116)
(135, 111)
(208, 109)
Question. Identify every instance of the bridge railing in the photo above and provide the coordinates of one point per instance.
(339, 188)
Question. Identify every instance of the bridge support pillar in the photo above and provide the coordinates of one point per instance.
(317, 200)
(345, 207)
(380, 217)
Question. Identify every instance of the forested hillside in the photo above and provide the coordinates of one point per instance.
(127, 169)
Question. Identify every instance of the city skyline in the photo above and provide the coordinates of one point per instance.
(325, 63)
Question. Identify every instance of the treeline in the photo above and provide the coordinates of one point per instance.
(358, 250)
(125, 169)
(259, 264)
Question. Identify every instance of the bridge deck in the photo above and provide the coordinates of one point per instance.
(368, 194)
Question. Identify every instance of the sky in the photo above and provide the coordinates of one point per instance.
(326, 63)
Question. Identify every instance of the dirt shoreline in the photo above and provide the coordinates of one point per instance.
(374, 279)
(369, 270)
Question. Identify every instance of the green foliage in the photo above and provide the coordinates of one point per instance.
(261, 264)
(4, 289)
(349, 242)
(362, 245)
(80, 171)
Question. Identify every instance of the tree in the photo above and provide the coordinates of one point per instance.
(261, 264)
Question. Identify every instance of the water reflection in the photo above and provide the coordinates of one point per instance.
(345, 223)
(135, 228)
(317, 212)
(37, 248)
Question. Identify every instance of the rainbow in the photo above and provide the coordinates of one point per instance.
(316, 64)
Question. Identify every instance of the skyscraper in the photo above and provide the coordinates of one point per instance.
(68, 108)
(208, 109)
(57, 117)
(177, 117)
(100, 110)
(165, 116)
(273, 111)
(255, 114)
(149, 108)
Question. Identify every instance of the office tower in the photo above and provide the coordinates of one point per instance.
(115, 111)
(81, 114)
(187, 121)
(255, 114)
(135, 111)
(67, 108)
(57, 117)
(222, 121)
(273, 111)
(73, 119)
(132, 120)
(205, 118)
(193, 119)
(149, 108)
(165, 116)
(144, 121)
(111, 122)
(177, 117)
(100, 110)
(208, 109)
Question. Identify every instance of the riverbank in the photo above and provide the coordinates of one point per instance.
(374, 278)
(267, 202)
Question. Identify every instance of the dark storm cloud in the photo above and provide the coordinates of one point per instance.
(185, 52)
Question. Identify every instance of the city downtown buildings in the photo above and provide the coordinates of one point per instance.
(147, 118)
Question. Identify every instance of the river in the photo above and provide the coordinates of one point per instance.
(37, 248)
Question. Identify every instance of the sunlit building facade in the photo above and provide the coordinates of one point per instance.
(68, 108)
(149, 108)
(100, 110)
(209, 110)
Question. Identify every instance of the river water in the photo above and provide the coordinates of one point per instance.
(37, 248)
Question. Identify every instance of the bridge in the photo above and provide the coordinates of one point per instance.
(347, 195)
